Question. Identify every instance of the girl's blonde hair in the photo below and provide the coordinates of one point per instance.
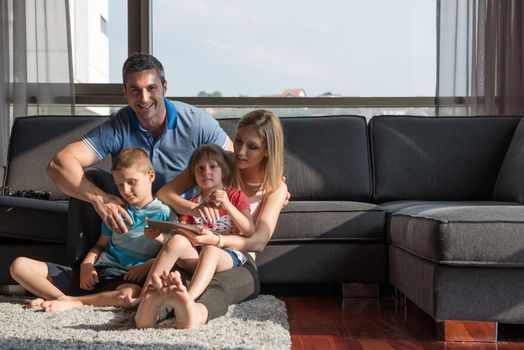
(268, 126)
(214, 153)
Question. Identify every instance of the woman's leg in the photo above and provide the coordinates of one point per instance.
(33, 275)
(230, 287)
(211, 260)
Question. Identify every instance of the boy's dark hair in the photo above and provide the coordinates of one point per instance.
(138, 62)
(217, 154)
(132, 156)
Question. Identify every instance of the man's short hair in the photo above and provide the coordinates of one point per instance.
(130, 157)
(139, 61)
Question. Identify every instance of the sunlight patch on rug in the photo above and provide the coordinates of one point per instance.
(256, 324)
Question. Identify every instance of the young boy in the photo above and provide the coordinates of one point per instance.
(111, 271)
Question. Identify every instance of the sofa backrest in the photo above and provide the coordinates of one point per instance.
(510, 180)
(35, 140)
(325, 158)
(447, 158)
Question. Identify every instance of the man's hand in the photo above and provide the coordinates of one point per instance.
(111, 210)
(88, 276)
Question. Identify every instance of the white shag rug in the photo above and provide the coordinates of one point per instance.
(256, 324)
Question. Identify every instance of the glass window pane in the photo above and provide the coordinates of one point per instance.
(99, 40)
(367, 48)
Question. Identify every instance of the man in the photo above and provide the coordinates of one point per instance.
(168, 131)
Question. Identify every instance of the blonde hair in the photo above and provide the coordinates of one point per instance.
(268, 126)
(214, 153)
(130, 157)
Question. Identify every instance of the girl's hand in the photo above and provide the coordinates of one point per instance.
(205, 237)
(88, 276)
(220, 197)
(208, 211)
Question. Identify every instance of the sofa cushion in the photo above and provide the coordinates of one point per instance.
(458, 234)
(510, 180)
(33, 219)
(329, 221)
(424, 158)
(34, 141)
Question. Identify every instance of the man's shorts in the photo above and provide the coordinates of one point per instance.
(67, 279)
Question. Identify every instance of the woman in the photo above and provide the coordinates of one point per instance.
(258, 156)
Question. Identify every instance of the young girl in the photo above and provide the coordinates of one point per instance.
(258, 155)
(210, 168)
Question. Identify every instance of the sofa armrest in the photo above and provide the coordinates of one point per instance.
(2, 175)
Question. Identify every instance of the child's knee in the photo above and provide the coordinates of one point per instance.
(18, 265)
(177, 242)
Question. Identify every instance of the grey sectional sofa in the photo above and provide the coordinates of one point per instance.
(432, 206)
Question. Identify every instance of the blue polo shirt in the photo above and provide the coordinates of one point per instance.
(187, 128)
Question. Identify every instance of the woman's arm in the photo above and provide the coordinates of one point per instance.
(169, 193)
(265, 226)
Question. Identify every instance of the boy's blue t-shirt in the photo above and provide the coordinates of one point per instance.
(187, 128)
(133, 248)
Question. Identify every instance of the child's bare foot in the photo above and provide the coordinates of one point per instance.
(34, 303)
(61, 304)
(128, 302)
(148, 309)
(189, 315)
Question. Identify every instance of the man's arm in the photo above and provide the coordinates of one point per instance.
(66, 169)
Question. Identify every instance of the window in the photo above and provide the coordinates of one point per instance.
(292, 48)
(99, 36)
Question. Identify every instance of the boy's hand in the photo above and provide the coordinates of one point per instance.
(88, 276)
(137, 273)
(152, 233)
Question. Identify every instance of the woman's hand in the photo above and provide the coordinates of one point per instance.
(205, 237)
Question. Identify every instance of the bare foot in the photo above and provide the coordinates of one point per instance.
(128, 302)
(148, 310)
(62, 304)
(189, 315)
(34, 303)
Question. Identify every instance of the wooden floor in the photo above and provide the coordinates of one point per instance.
(331, 322)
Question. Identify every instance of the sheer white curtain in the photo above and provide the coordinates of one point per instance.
(36, 63)
(480, 55)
